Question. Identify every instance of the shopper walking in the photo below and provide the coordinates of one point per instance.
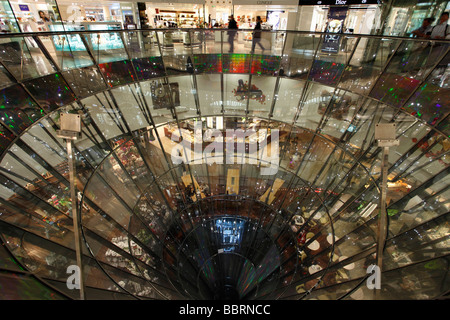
(257, 35)
(232, 27)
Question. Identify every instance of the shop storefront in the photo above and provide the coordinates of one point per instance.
(177, 14)
(8, 21)
(406, 16)
(359, 16)
(51, 15)
(218, 12)
(275, 14)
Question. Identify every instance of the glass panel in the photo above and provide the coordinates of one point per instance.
(85, 81)
(235, 100)
(144, 218)
(339, 110)
(420, 281)
(176, 64)
(106, 47)
(154, 92)
(427, 103)
(209, 93)
(298, 54)
(171, 42)
(147, 68)
(118, 73)
(444, 126)
(6, 137)
(393, 89)
(6, 260)
(23, 58)
(182, 96)
(132, 107)
(205, 41)
(260, 95)
(368, 61)
(141, 44)
(6, 79)
(18, 111)
(433, 242)
(24, 287)
(316, 99)
(328, 68)
(51, 92)
(265, 65)
(236, 63)
(207, 63)
(287, 99)
(67, 50)
(102, 112)
(109, 201)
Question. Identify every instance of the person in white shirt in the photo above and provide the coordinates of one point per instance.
(438, 49)
(441, 30)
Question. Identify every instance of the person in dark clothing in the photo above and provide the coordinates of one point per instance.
(232, 27)
(424, 29)
(257, 35)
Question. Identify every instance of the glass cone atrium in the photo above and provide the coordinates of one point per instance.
(173, 200)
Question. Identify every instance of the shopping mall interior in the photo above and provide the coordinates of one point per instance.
(209, 169)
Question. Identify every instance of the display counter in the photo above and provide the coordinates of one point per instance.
(100, 41)
(173, 133)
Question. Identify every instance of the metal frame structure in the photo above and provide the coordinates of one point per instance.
(112, 108)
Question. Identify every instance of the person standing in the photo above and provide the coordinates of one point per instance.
(257, 35)
(441, 30)
(232, 27)
(438, 49)
(415, 58)
(424, 29)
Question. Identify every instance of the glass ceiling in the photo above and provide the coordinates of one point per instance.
(207, 228)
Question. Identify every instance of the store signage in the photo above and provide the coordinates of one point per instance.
(24, 7)
(336, 2)
(336, 17)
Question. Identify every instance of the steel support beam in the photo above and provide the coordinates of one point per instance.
(385, 135)
(70, 131)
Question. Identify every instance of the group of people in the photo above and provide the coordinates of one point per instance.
(425, 54)
(232, 27)
(439, 31)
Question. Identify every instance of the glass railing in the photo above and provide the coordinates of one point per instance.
(142, 92)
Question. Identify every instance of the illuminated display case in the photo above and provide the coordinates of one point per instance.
(71, 42)
(106, 41)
